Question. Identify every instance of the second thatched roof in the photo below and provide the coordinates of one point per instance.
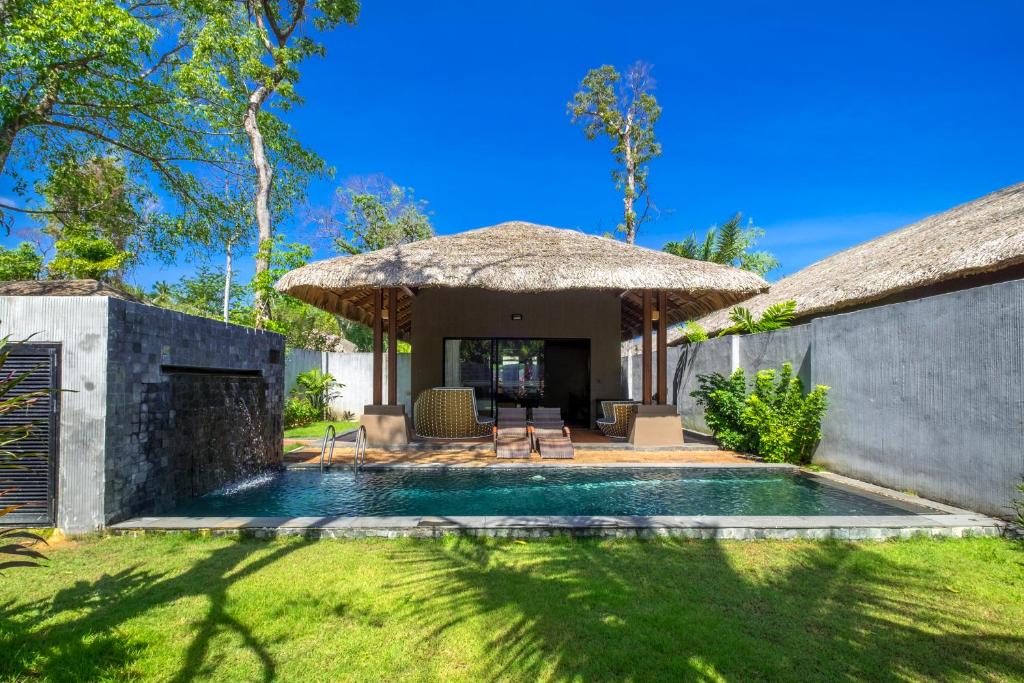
(982, 236)
(523, 258)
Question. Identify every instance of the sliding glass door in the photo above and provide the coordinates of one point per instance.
(515, 372)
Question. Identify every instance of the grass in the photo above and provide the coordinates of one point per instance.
(181, 608)
(317, 429)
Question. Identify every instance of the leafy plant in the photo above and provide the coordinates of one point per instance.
(723, 399)
(298, 412)
(318, 388)
(13, 542)
(776, 420)
(694, 332)
(728, 244)
(775, 317)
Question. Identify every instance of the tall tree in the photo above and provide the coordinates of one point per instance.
(373, 212)
(98, 218)
(96, 77)
(624, 110)
(247, 54)
(729, 244)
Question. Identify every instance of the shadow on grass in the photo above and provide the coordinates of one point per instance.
(680, 610)
(562, 609)
(87, 646)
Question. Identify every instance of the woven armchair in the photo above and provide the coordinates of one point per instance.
(618, 424)
(449, 413)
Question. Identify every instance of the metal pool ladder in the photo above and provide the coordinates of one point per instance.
(360, 455)
(329, 435)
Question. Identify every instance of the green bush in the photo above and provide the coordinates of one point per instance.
(776, 420)
(1018, 505)
(318, 389)
(298, 412)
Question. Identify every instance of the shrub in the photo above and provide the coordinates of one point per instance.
(318, 389)
(299, 412)
(776, 420)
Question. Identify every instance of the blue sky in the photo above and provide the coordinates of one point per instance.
(828, 123)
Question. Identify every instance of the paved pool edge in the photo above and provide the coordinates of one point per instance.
(719, 528)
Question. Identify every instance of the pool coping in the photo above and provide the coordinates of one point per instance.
(934, 519)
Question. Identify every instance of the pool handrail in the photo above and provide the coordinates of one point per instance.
(331, 435)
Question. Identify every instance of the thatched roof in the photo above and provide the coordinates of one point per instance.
(519, 257)
(982, 236)
(63, 288)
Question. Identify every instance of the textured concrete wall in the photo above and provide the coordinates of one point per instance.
(355, 371)
(440, 313)
(928, 395)
(162, 425)
(925, 395)
(79, 324)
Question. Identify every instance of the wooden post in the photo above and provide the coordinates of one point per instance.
(646, 359)
(662, 348)
(392, 346)
(378, 359)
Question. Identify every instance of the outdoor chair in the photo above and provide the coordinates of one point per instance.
(449, 413)
(555, 447)
(618, 424)
(511, 434)
(546, 423)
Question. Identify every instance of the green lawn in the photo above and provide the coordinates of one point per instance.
(317, 429)
(180, 608)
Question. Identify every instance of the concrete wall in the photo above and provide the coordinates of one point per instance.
(355, 371)
(79, 324)
(925, 395)
(441, 313)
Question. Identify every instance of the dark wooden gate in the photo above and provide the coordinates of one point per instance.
(28, 481)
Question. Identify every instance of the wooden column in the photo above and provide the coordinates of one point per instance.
(662, 348)
(392, 346)
(378, 344)
(646, 355)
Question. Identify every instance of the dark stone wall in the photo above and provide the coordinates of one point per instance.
(192, 404)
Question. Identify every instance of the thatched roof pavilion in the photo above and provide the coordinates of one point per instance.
(976, 242)
(521, 258)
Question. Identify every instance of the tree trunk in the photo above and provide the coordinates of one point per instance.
(8, 131)
(630, 196)
(227, 282)
(264, 182)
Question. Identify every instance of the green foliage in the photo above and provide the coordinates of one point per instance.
(91, 78)
(775, 317)
(201, 294)
(776, 420)
(13, 543)
(624, 110)
(694, 332)
(23, 263)
(372, 213)
(298, 412)
(728, 244)
(98, 219)
(318, 389)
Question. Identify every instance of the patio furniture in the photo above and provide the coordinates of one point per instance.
(618, 424)
(449, 413)
(511, 417)
(547, 423)
(555, 447)
(511, 447)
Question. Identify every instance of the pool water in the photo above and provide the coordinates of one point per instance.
(538, 491)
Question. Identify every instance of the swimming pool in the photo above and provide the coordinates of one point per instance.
(516, 491)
